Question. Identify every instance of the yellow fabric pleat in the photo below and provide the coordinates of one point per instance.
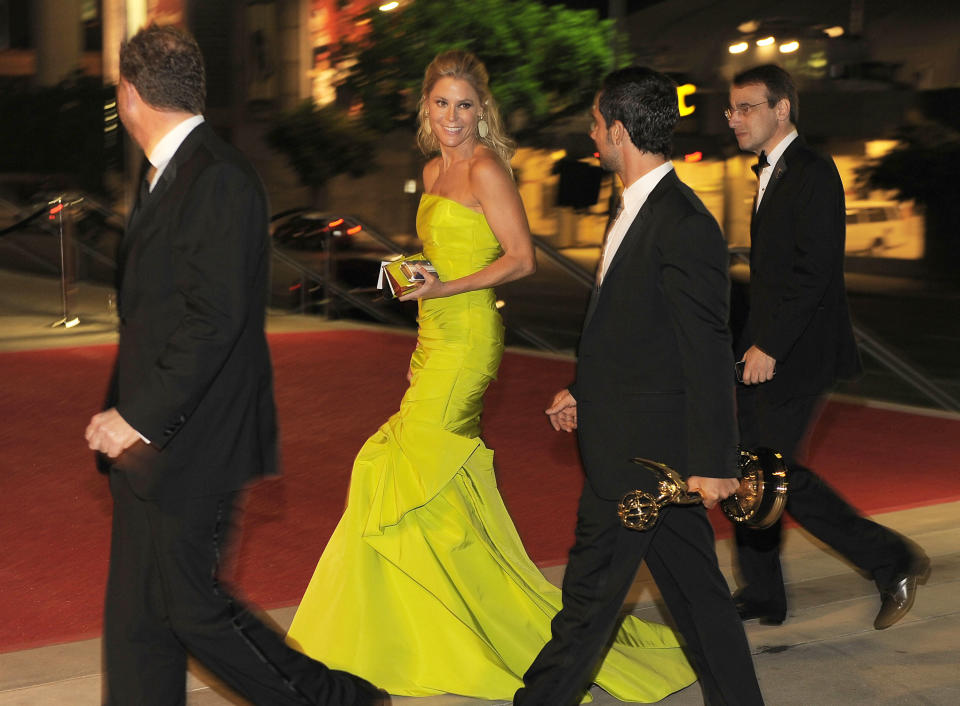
(424, 587)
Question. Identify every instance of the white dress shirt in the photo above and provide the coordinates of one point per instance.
(168, 146)
(634, 196)
(775, 154)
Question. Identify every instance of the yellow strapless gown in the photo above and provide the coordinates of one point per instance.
(424, 587)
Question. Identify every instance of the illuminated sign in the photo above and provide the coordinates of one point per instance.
(687, 89)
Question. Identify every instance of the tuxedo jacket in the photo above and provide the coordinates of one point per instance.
(192, 373)
(655, 364)
(798, 304)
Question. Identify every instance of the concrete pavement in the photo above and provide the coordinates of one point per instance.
(827, 653)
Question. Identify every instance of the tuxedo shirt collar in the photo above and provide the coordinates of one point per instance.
(772, 158)
(634, 196)
(168, 145)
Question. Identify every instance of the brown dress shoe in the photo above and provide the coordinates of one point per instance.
(899, 598)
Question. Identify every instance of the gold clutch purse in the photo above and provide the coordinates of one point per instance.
(401, 276)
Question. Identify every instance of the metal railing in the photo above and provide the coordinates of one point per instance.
(333, 290)
(579, 274)
(308, 274)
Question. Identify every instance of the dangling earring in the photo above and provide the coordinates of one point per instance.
(482, 128)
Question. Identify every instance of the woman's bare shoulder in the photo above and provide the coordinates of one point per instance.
(485, 164)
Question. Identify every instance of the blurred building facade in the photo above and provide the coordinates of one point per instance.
(257, 50)
(864, 68)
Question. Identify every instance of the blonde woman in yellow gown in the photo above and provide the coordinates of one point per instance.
(424, 587)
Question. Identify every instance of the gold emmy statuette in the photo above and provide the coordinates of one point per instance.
(640, 510)
(762, 495)
(757, 503)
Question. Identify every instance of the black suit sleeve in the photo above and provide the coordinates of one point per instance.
(696, 288)
(217, 243)
(818, 240)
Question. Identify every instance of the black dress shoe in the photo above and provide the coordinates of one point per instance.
(767, 613)
(898, 599)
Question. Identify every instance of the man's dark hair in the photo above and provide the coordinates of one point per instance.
(645, 101)
(165, 65)
(778, 83)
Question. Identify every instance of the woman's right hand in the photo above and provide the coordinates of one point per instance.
(430, 288)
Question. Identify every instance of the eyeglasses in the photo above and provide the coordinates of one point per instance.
(742, 109)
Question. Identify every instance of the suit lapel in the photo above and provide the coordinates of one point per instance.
(632, 236)
(145, 199)
(143, 208)
(136, 231)
(591, 307)
(138, 196)
(140, 214)
(779, 173)
(123, 251)
(631, 239)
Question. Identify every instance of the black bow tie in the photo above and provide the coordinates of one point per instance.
(761, 164)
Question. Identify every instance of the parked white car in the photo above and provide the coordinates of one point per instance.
(883, 229)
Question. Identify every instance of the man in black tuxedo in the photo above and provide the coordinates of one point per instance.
(653, 380)
(797, 340)
(190, 416)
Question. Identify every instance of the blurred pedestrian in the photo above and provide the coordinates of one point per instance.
(190, 418)
(797, 340)
(653, 380)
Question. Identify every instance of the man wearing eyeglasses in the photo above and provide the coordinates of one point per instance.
(797, 341)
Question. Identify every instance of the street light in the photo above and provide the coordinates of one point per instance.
(738, 48)
(789, 47)
(765, 42)
(387, 7)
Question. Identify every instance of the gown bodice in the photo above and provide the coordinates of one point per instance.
(462, 335)
(456, 239)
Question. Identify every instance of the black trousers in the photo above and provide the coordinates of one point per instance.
(783, 425)
(601, 568)
(165, 600)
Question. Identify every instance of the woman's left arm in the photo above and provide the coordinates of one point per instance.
(501, 205)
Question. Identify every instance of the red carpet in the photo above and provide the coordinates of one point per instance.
(333, 390)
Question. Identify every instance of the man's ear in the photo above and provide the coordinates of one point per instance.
(783, 109)
(130, 94)
(618, 131)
